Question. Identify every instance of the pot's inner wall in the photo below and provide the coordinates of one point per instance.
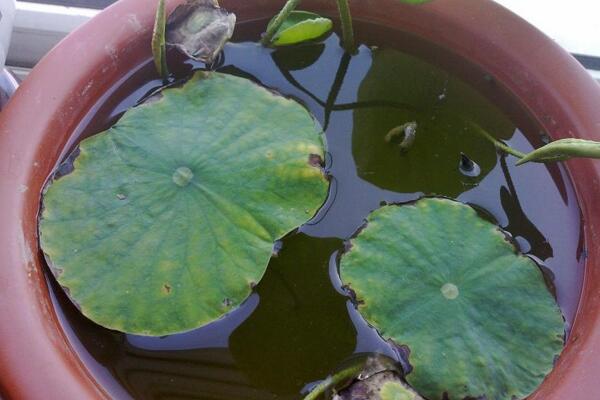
(298, 326)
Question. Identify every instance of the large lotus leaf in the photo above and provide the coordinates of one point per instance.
(399, 89)
(169, 217)
(476, 315)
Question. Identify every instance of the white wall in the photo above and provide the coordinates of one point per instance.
(574, 24)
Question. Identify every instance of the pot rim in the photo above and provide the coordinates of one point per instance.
(550, 84)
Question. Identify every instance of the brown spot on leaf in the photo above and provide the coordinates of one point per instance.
(167, 288)
(68, 293)
(56, 271)
(316, 160)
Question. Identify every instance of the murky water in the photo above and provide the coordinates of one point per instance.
(298, 325)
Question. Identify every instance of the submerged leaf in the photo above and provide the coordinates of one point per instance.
(401, 89)
(200, 29)
(158, 41)
(300, 26)
(563, 149)
(477, 316)
(169, 217)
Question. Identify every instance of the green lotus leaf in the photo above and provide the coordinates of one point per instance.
(301, 26)
(169, 217)
(449, 116)
(393, 390)
(476, 315)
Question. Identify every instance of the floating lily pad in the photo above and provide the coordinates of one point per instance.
(169, 217)
(476, 315)
(301, 26)
(401, 89)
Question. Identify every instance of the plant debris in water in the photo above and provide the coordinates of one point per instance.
(200, 29)
(171, 214)
(379, 380)
(476, 315)
(403, 135)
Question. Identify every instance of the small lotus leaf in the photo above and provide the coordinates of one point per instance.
(200, 29)
(476, 315)
(169, 217)
(301, 26)
(394, 390)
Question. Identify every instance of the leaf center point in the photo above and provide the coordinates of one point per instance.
(182, 176)
(450, 291)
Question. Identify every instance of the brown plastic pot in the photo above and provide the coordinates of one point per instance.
(36, 359)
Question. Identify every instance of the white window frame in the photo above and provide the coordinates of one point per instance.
(575, 25)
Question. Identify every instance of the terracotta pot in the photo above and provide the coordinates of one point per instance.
(36, 359)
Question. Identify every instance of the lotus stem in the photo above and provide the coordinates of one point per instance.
(499, 144)
(347, 29)
(278, 21)
(159, 47)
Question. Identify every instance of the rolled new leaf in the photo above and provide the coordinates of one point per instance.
(300, 26)
(563, 149)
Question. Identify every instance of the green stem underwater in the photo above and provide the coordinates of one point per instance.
(278, 21)
(347, 28)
